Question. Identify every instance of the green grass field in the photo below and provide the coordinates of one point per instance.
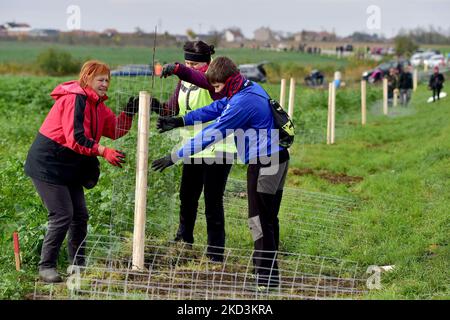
(397, 167)
(26, 52)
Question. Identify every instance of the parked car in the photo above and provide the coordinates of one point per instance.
(426, 56)
(378, 72)
(133, 70)
(421, 57)
(416, 59)
(391, 51)
(376, 50)
(437, 60)
(254, 72)
(348, 47)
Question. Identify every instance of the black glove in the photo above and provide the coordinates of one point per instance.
(168, 70)
(132, 106)
(162, 163)
(168, 123)
(156, 106)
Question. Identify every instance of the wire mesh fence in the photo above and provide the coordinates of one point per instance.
(160, 204)
(309, 222)
(176, 270)
(312, 124)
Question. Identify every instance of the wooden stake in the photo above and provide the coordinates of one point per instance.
(363, 102)
(329, 114)
(16, 250)
(333, 112)
(385, 96)
(283, 93)
(415, 79)
(291, 98)
(140, 205)
(395, 97)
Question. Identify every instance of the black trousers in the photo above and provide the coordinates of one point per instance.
(211, 178)
(67, 213)
(436, 93)
(265, 191)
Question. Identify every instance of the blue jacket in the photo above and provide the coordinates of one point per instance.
(247, 114)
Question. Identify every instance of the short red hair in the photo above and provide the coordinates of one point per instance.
(91, 69)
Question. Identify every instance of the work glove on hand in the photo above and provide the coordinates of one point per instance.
(115, 157)
(168, 70)
(162, 163)
(132, 106)
(156, 106)
(168, 123)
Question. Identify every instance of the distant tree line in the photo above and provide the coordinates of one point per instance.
(99, 39)
(431, 35)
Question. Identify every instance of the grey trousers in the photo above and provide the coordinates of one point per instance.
(67, 213)
(405, 96)
(265, 190)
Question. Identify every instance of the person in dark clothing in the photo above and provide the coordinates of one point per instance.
(405, 86)
(436, 83)
(245, 111)
(63, 159)
(393, 80)
(207, 172)
(315, 78)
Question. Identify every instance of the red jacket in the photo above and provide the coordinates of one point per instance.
(71, 132)
(79, 118)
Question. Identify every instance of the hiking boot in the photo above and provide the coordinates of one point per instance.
(179, 238)
(50, 275)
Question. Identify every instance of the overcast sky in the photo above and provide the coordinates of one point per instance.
(176, 16)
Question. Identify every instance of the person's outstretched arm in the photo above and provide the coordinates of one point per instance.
(170, 107)
(234, 117)
(195, 77)
(116, 126)
(207, 113)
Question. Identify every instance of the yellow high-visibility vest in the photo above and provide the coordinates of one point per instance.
(191, 97)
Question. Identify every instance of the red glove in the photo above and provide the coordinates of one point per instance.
(115, 157)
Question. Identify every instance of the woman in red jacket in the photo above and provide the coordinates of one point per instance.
(63, 159)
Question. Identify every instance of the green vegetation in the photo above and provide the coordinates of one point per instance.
(24, 57)
(57, 63)
(404, 45)
(27, 52)
(403, 221)
(399, 165)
